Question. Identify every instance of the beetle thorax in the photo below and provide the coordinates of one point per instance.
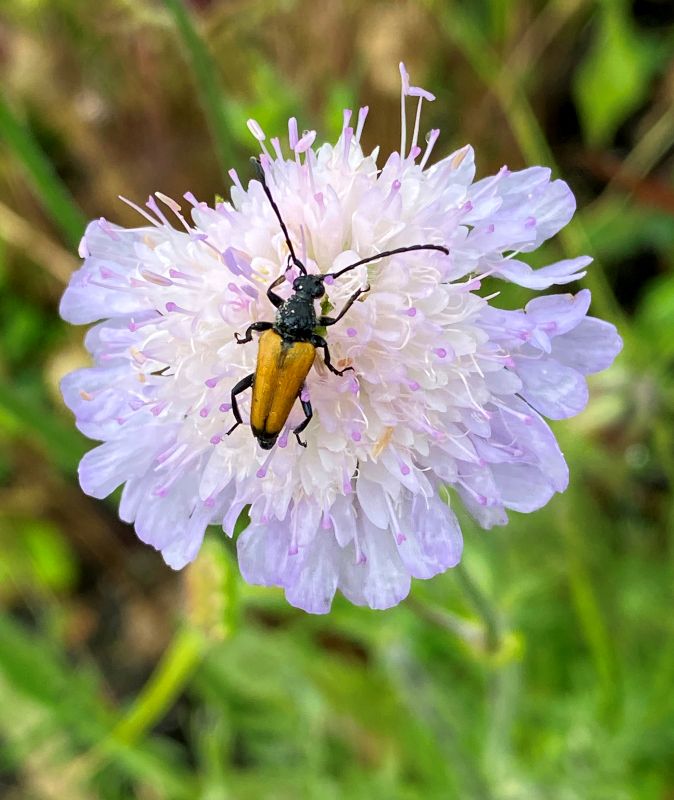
(296, 318)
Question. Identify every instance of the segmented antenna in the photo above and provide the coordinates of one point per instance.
(260, 175)
(388, 253)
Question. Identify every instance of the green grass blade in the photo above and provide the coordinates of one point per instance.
(210, 91)
(50, 189)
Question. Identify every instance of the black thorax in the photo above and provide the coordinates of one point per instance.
(296, 318)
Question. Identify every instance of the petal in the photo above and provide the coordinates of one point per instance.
(590, 347)
(523, 487)
(387, 581)
(106, 467)
(263, 553)
(315, 583)
(551, 388)
(558, 313)
(566, 271)
(433, 541)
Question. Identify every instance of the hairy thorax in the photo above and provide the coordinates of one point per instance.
(296, 318)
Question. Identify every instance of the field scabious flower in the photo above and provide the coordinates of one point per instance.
(447, 389)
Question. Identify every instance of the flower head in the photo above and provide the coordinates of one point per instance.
(447, 389)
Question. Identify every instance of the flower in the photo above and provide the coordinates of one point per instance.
(447, 389)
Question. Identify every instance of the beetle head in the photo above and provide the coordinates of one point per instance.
(309, 286)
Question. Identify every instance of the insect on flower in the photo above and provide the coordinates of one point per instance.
(449, 391)
(288, 346)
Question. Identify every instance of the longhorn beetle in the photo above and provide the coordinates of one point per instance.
(288, 345)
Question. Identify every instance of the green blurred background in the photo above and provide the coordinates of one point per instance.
(543, 667)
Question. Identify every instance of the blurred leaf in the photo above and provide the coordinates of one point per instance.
(655, 317)
(613, 78)
(51, 558)
(32, 418)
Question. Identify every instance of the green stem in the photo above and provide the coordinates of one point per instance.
(181, 659)
(50, 189)
(590, 615)
(210, 91)
(482, 604)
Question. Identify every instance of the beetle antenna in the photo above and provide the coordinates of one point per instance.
(261, 177)
(389, 253)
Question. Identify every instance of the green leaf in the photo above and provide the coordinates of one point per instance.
(612, 80)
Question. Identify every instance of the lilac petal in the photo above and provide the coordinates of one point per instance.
(530, 196)
(263, 553)
(83, 302)
(91, 296)
(343, 520)
(109, 465)
(486, 516)
(556, 391)
(566, 271)
(558, 313)
(373, 502)
(590, 347)
(481, 497)
(523, 487)
(385, 581)
(456, 169)
(433, 541)
(92, 395)
(316, 582)
(527, 432)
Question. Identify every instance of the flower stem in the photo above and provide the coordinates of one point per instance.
(482, 604)
(180, 660)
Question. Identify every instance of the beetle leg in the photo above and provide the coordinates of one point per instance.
(275, 300)
(256, 326)
(325, 321)
(319, 341)
(241, 386)
(308, 413)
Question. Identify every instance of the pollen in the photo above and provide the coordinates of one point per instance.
(382, 443)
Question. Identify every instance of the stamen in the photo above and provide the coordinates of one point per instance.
(404, 88)
(276, 144)
(431, 139)
(174, 308)
(362, 116)
(305, 142)
(292, 133)
(152, 205)
(141, 211)
(154, 277)
(175, 207)
(234, 175)
(348, 136)
(417, 120)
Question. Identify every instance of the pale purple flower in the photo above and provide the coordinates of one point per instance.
(448, 390)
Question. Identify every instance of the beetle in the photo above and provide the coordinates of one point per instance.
(287, 346)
